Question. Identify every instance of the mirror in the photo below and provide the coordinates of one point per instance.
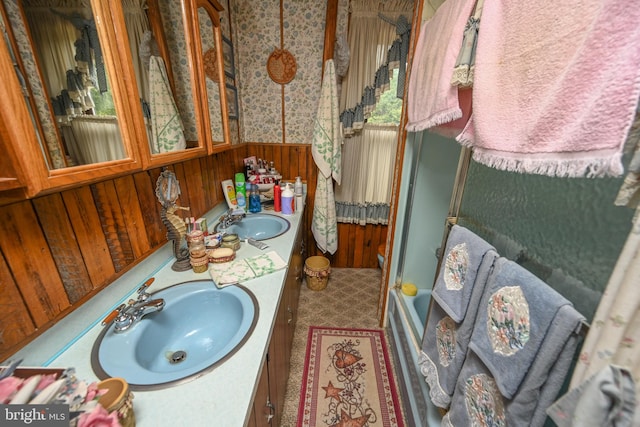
(170, 90)
(69, 83)
(205, 40)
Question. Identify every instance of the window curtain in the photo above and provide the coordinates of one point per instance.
(378, 41)
(53, 35)
(137, 24)
(367, 176)
(94, 139)
(614, 337)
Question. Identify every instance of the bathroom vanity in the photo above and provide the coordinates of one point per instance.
(246, 389)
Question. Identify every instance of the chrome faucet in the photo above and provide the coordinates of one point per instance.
(127, 315)
(231, 217)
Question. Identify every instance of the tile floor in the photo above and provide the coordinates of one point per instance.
(350, 300)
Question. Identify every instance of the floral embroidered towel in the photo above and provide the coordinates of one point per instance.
(241, 270)
(515, 317)
(464, 253)
(478, 400)
(445, 342)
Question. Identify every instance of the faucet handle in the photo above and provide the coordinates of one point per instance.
(111, 316)
(142, 290)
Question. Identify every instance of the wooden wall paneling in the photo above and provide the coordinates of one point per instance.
(15, 322)
(63, 245)
(340, 258)
(277, 159)
(145, 183)
(369, 250)
(193, 181)
(87, 228)
(113, 224)
(134, 221)
(302, 162)
(31, 263)
(184, 199)
(209, 197)
(216, 177)
(359, 246)
(292, 165)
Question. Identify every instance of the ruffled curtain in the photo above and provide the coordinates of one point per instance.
(378, 40)
(367, 176)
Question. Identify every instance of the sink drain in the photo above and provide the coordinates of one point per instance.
(177, 356)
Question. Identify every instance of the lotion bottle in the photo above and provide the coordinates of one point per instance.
(287, 200)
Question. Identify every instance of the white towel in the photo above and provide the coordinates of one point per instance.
(241, 270)
(327, 154)
(166, 126)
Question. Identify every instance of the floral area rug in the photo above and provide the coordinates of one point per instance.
(347, 380)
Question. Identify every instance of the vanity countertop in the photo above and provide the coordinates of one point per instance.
(222, 397)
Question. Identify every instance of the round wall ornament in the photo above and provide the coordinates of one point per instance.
(281, 66)
(211, 64)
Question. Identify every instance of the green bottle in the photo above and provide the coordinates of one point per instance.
(241, 191)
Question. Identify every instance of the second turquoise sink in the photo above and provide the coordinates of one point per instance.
(258, 227)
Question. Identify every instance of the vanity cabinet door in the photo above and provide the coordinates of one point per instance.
(262, 411)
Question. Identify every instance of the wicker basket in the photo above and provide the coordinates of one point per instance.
(118, 399)
(317, 269)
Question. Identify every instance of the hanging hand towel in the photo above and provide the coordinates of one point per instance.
(520, 351)
(607, 399)
(465, 268)
(166, 126)
(555, 86)
(431, 99)
(326, 150)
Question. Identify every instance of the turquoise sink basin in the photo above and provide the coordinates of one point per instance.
(199, 328)
(258, 227)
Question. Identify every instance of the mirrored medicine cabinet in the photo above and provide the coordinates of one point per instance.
(109, 87)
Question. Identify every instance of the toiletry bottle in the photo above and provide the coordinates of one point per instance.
(277, 197)
(229, 193)
(241, 192)
(287, 200)
(254, 199)
(299, 198)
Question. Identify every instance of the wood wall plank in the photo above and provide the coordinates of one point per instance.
(134, 221)
(87, 229)
(29, 258)
(113, 224)
(15, 322)
(145, 183)
(194, 182)
(58, 231)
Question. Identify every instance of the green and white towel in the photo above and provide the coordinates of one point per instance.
(166, 125)
(326, 149)
(241, 270)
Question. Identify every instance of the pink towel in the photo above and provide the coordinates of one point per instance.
(556, 86)
(432, 100)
